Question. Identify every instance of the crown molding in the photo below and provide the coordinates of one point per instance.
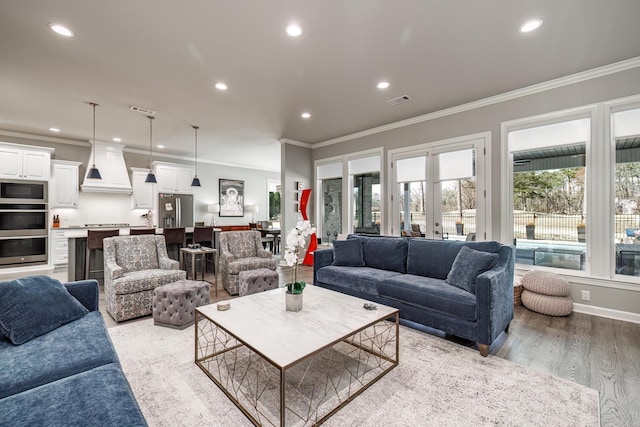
(43, 138)
(296, 143)
(605, 70)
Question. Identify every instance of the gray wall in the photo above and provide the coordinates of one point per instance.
(296, 166)
(489, 118)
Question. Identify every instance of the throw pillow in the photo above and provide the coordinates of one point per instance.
(467, 266)
(34, 305)
(348, 253)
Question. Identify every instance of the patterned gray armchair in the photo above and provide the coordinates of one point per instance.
(241, 251)
(133, 267)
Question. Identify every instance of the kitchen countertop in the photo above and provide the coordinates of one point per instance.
(80, 232)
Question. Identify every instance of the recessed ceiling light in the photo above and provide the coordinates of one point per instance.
(160, 146)
(383, 85)
(305, 115)
(54, 129)
(62, 30)
(294, 30)
(116, 139)
(531, 25)
(221, 86)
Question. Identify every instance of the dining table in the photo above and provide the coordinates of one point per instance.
(275, 232)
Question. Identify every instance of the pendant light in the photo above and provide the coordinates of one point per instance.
(151, 178)
(196, 180)
(94, 173)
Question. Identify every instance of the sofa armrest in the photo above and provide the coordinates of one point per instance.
(321, 258)
(263, 253)
(494, 293)
(167, 263)
(226, 257)
(112, 270)
(85, 291)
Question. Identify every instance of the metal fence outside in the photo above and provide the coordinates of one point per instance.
(548, 226)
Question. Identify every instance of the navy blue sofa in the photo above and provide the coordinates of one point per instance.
(411, 274)
(70, 376)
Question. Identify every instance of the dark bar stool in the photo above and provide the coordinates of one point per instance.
(135, 231)
(204, 236)
(94, 243)
(174, 238)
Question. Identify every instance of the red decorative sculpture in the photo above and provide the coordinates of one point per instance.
(313, 244)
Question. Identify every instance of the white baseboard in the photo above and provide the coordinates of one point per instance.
(625, 316)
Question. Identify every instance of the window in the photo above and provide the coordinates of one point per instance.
(364, 177)
(626, 139)
(412, 187)
(548, 184)
(273, 187)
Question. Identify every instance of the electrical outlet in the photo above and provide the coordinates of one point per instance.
(586, 295)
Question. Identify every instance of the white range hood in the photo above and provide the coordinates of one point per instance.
(109, 159)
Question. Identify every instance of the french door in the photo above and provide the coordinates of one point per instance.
(439, 190)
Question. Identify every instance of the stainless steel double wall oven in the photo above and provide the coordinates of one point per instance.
(23, 222)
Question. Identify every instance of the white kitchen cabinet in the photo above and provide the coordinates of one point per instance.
(142, 191)
(59, 248)
(33, 163)
(173, 178)
(63, 190)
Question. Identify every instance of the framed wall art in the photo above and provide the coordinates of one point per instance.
(231, 197)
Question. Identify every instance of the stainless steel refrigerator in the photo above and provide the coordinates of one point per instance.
(175, 210)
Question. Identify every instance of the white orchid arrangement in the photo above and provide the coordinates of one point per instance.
(296, 242)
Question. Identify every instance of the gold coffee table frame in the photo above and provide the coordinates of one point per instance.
(306, 388)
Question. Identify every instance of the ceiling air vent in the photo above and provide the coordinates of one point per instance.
(145, 111)
(399, 100)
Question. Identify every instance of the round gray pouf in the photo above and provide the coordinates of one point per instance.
(545, 304)
(258, 280)
(174, 304)
(546, 293)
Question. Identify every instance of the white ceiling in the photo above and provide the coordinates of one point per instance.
(167, 55)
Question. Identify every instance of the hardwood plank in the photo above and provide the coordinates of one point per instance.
(572, 363)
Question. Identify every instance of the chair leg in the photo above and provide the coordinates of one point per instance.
(87, 263)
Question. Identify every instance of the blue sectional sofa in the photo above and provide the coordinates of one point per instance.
(462, 288)
(67, 376)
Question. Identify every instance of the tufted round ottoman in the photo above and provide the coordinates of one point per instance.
(174, 304)
(253, 281)
(546, 293)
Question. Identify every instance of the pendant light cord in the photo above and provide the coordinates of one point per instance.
(150, 140)
(94, 105)
(196, 163)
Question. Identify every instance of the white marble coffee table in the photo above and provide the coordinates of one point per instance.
(285, 368)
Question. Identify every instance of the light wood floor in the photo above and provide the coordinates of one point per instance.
(596, 352)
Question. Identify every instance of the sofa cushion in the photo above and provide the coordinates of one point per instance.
(348, 253)
(434, 258)
(135, 253)
(72, 348)
(468, 264)
(144, 280)
(363, 279)
(34, 305)
(97, 397)
(384, 253)
(430, 293)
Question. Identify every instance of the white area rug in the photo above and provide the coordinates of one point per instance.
(438, 383)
